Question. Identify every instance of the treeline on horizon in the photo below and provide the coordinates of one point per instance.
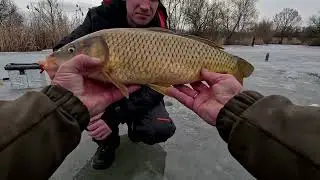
(43, 23)
(236, 22)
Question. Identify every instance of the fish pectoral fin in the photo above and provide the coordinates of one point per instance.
(161, 88)
(96, 47)
(123, 89)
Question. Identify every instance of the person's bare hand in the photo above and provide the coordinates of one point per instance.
(96, 96)
(98, 128)
(207, 101)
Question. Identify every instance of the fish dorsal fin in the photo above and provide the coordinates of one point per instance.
(205, 41)
(159, 29)
(197, 38)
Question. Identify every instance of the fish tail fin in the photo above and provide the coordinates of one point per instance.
(245, 69)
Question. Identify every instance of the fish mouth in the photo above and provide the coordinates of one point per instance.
(48, 62)
(41, 65)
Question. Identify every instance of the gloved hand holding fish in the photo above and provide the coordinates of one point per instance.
(154, 57)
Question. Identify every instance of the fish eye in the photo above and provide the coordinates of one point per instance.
(72, 50)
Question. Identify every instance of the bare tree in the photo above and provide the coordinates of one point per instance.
(9, 12)
(77, 17)
(241, 14)
(249, 17)
(314, 23)
(225, 15)
(44, 24)
(12, 34)
(197, 14)
(285, 21)
(49, 21)
(175, 13)
(214, 28)
(264, 30)
(214, 18)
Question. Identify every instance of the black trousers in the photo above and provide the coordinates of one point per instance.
(154, 126)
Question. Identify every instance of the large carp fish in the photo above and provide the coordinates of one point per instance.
(155, 57)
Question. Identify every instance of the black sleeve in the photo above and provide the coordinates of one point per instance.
(82, 30)
(144, 100)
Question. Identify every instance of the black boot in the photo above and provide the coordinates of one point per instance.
(132, 136)
(103, 158)
(105, 154)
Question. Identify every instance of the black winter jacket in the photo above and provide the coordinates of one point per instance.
(113, 15)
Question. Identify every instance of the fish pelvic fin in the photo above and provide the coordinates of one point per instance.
(122, 88)
(162, 89)
(245, 69)
(197, 38)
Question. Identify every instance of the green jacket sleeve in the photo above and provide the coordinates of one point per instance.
(272, 137)
(37, 131)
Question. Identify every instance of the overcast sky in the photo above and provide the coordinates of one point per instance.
(267, 8)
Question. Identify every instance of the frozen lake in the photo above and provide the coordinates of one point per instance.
(292, 70)
(196, 150)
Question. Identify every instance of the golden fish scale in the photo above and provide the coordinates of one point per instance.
(161, 58)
